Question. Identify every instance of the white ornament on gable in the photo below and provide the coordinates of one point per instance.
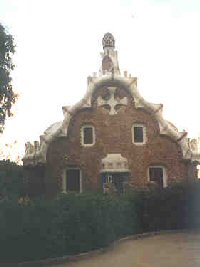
(194, 145)
(29, 148)
(112, 102)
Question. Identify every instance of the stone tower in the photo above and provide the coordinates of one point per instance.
(109, 56)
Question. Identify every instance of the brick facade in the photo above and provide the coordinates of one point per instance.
(113, 135)
(112, 105)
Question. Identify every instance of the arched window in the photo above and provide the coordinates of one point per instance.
(87, 135)
(158, 175)
(139, 134)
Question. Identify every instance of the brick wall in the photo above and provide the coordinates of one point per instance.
(113, 135)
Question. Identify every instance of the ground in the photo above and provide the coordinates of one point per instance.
(166, 250)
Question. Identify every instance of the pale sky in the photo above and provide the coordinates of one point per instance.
(59, 44)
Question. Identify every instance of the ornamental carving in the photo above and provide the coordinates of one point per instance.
(113, 103)
(108, 40)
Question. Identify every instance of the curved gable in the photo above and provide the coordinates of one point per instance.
(110, 93)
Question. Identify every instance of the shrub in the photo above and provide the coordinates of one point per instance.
(11, 179)
(74, 223)
(70, 224)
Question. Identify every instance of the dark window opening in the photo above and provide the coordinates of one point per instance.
(156, 175)
(138, 134)
(73, 180)
(88, 136)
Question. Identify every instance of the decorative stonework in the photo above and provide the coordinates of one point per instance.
(114, 163)
(29, 148)
(108, 40)
(109, 56)
(112, 102)
(194, 145)
(36, 153)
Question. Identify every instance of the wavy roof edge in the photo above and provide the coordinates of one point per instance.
(36, 154)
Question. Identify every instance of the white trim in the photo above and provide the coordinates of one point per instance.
(63, 189)
(109, 178)
(198, 171)
(81, 182)
(82, 134)
(114, 163)
(64, 179)
(164, 174)
(114, 170)
(144, 134)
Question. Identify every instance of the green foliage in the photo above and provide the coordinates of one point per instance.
(11, 179)
(71, 224)
(164, 209)
(7, 96)
(75, 223)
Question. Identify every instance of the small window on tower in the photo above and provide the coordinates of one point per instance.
(139, 134)
(87, 135)
(107, 64)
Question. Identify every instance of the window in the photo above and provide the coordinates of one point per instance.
(107, 64)
(157, 174)
(87, 135)
(72, 181)
(139, 134)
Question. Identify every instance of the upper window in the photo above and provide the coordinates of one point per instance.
(157, 174)
(87, 135)
(139, 134)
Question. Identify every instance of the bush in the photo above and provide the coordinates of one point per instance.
(164, 209)
(75, 223)
(70, 224)
(11, 179)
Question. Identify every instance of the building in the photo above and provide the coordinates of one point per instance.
(113, 138)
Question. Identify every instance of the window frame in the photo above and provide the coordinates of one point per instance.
(144, 134)
(164, 174)
(82, 135)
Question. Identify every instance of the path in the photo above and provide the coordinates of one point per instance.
(167, 250)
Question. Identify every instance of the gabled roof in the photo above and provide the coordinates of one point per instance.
(36, 154)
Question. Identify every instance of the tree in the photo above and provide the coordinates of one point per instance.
(7, 96)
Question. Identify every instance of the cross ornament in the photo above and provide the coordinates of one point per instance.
(112, 102)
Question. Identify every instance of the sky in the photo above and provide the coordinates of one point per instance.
(58, 45)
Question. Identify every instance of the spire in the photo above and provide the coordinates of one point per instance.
(109, 56)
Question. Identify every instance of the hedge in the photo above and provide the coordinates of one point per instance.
(11, 179)
(74, 223)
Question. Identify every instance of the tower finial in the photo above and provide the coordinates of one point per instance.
(108, 40)
(109, 55)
